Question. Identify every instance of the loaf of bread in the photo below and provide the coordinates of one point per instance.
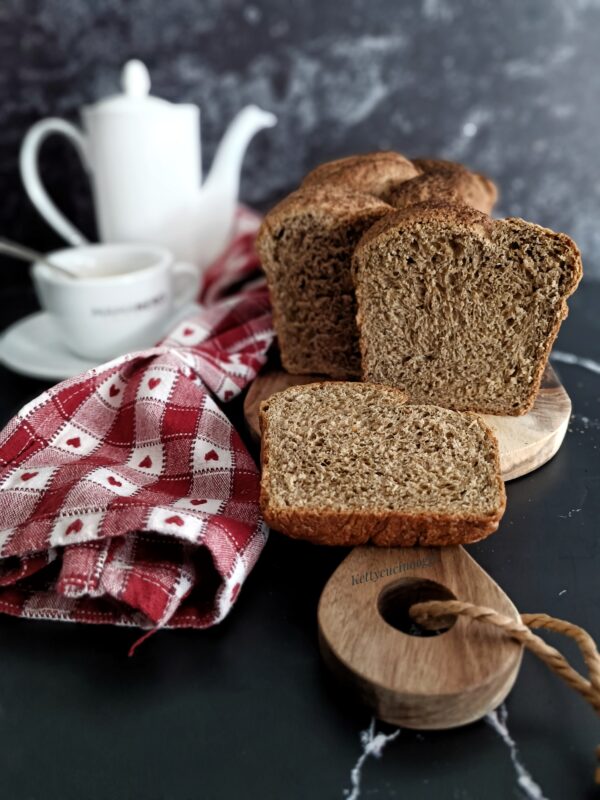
(306, 245)
(461, 310)
(349, 463)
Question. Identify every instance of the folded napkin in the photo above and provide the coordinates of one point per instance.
(126, 495)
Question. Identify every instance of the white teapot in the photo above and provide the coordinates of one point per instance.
(144, 157)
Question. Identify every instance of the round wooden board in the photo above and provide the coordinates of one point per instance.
(525, 442)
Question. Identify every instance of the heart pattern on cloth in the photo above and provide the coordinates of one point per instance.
(154, 382)
(27, 476)
(136, 555)
(74, 527)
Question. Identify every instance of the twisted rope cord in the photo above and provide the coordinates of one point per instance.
(434, 615)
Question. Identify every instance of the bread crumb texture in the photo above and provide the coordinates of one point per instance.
(461, 310)
(345, 463)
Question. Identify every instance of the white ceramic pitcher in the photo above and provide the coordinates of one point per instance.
(143, 155)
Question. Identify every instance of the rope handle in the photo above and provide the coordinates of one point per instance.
(434, 614)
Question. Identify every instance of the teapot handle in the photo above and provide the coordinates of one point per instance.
(28, 162)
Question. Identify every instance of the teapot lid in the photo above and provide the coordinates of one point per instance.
(136, 96)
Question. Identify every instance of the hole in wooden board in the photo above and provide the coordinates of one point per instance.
(395, 600)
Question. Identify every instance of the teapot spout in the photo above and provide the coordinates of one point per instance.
(219, 193)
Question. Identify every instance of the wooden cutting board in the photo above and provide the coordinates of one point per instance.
(525, 442)
(369, 642)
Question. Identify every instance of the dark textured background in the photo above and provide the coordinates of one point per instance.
(511, 87)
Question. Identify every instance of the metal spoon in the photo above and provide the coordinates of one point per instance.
(17, 250)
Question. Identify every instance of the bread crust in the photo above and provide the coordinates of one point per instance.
(372, 173)
(486, 227)
(445, 180)
(400, 182)
(383, 528)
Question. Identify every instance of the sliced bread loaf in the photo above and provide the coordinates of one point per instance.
(307, 241)
(461, 310)
(349, 463)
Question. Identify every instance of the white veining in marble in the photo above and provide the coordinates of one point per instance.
(580, 423)
(497, 720)
(372, 744)
(577, 361)
(570, 513)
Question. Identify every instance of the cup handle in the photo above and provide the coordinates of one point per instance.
(186, 279)
(28, 162)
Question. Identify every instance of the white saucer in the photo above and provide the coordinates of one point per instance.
(33, 347)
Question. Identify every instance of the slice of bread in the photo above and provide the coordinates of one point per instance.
(306, 245)
(307, 241)
(349, 463)
(461, 310)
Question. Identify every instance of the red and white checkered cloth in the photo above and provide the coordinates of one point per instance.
(126, 495)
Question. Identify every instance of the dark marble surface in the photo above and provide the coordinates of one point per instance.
(510, 87)
(247, 709)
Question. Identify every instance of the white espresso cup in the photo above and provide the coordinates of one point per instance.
(122, 298)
